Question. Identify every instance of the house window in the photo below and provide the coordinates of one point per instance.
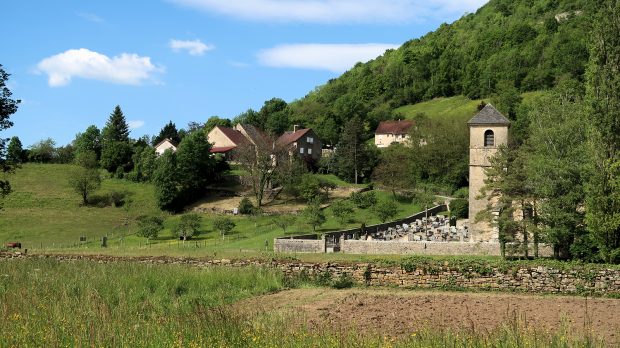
(309, 151)
(489, 138)
(310, 140)
(301, 150)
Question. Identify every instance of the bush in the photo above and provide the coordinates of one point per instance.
(224, 225)
(364, 200)
(120, 173)
(459, 208)
(385, 211)
(246, 207)
(585, 249)
(117, 198)
(345, 281)
(463, 192)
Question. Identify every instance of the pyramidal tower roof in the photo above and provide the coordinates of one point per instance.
(489, 116)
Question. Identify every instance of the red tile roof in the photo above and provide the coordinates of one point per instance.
(222, 149)
(291, 137)
(234, 135)
(394, 127)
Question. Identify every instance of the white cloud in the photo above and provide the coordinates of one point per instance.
(335, 11)
(332, 57)
(193, 47)
(91, 17)
(135, 124)
(126, 68)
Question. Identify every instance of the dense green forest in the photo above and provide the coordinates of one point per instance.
(526, 44)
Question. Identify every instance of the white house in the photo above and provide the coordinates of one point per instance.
(164, 145)
(389, 132)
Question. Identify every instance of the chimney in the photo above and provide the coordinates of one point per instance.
(295, 128)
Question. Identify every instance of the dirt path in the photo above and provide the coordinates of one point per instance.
(397, 313)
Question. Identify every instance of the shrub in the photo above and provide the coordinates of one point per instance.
(150, 226)
(459, 208)
(120, 173)
(364, 200)
(345, 281)
(224, 225)
(343, 210)
(463, 192)
(385, 211)
(323, 278)
(246, 207)
(117, 198)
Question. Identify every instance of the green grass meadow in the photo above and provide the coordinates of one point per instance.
(44, 213)
(459, 108)
(51, 303)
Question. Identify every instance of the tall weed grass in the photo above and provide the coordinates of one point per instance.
(47, 303)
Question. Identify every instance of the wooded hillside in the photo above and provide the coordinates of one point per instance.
(525, 44)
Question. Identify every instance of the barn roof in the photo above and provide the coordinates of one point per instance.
(234, 135)
(489, 116)
(254, 135)
(394, 127)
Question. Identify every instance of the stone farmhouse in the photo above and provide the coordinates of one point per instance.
(487, 131)
(225, 139)
(303, 143)
(164, 145)
(389, 132)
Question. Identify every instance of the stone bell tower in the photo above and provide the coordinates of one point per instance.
(487, 131)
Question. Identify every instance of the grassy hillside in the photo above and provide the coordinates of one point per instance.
(44, 212)
(458, 108)
(453, 108)
(44, 209)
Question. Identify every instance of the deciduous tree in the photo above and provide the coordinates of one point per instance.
(150, 226)
(385, 210)
(603, 107)
(284, 221)
(165, 180)
(343, 210)
(262, 164)
(224, 225)
(8, 107)
(85, 181)
(394, 169)
(214, 121)
(188, 226)
(313, 215)
(90, 140)
(43, 151)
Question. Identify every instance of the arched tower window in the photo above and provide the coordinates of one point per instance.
(489, 138)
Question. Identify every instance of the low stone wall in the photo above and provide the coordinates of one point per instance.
(299, 245)
(428, 248)
(523, 279)
(537, 279)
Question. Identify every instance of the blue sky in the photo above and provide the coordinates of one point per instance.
(185, 60)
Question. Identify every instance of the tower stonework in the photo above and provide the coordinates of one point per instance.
(487, 131)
